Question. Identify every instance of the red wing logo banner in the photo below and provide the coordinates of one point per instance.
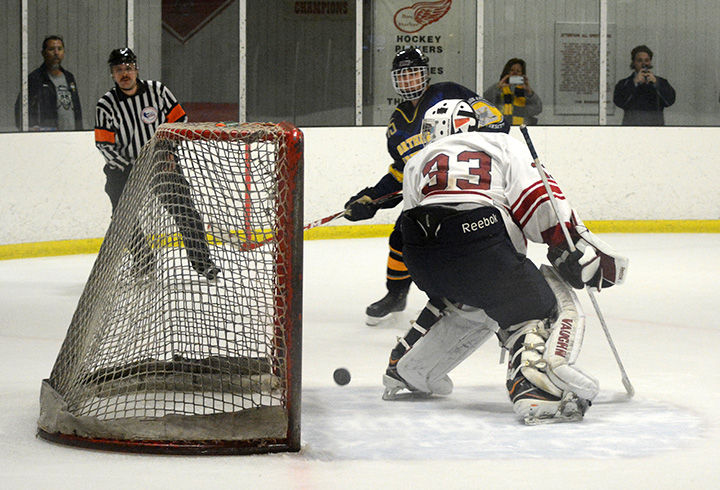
(414, 18)
(185, 18)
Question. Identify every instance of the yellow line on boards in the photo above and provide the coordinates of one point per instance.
(47, 249)
(92, 245)
(618, 226)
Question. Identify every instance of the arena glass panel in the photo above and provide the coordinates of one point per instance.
(90, 30)
(10, 57)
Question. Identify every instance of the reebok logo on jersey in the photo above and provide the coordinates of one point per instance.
(149, 115)
(479, 224)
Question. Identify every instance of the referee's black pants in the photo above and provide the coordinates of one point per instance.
(173, 190)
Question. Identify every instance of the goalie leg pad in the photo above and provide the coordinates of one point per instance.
(565, 341)
(526, 375)
(534, 396)
(392, 381)
(458, 333)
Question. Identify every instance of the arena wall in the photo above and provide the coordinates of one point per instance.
(52, 183)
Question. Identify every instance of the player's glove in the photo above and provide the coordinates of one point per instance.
(361, 205)
(593, 263)
(577, 268)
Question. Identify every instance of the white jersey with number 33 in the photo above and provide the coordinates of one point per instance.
(489, 169)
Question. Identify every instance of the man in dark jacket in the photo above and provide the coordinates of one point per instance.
(643, 95)
(53, 101)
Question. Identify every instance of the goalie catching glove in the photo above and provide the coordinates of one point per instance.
(593, 263)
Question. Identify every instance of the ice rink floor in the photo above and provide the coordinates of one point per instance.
(665, 322)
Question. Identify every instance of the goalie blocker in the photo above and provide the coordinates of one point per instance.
(593, 262)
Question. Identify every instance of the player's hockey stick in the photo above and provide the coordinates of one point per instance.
(234, 239)
(334, 216)
(625, 380)
(244, 245)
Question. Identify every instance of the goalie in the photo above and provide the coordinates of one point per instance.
(471, 199)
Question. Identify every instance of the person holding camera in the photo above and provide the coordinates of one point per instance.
(514, 96)
(643, 95)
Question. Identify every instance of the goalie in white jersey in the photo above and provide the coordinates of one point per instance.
(471, 200)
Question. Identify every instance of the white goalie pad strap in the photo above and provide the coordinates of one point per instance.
(565, 341)
(531, 364)
(450, 341)
(612, 265)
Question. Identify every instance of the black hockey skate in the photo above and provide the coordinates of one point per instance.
(143, 266)
(206, 268)
(393, 301)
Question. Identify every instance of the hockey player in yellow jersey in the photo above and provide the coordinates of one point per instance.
(411, 80)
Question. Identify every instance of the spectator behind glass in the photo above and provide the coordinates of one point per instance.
(514, 96)
(643, 95)
(53, 100)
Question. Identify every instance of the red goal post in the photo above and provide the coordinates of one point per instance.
(159, 358)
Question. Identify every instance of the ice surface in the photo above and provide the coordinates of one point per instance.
(664, 321)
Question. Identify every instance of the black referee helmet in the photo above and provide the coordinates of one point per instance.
(122, 56)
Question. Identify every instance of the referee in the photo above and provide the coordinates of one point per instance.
(126, 118)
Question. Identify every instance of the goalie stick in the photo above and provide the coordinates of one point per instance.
(245, 245)
(625, 380)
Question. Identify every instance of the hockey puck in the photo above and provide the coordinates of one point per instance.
(341, 376)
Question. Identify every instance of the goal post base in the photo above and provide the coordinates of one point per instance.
(180, 448)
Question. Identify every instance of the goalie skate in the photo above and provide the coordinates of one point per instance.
(397, 389)
(570, 409)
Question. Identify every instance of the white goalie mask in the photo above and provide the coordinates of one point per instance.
(453, 116)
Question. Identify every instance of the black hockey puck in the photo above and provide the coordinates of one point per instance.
(341, 376)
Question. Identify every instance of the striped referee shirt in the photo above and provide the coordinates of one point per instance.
(123, 124)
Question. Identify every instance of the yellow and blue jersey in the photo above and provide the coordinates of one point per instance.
(404, 135)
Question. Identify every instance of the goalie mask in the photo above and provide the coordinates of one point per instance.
(410, 73)
(453, 116)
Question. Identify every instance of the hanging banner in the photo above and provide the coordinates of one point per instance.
(577, 67)
(185, 19)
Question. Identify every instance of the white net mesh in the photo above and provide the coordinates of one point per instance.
(189, 322)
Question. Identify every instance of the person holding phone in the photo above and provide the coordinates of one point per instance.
(643, 95)
(517, 100)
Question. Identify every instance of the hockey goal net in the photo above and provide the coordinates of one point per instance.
(187, 336)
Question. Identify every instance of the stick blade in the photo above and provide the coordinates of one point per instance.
(628, 387)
